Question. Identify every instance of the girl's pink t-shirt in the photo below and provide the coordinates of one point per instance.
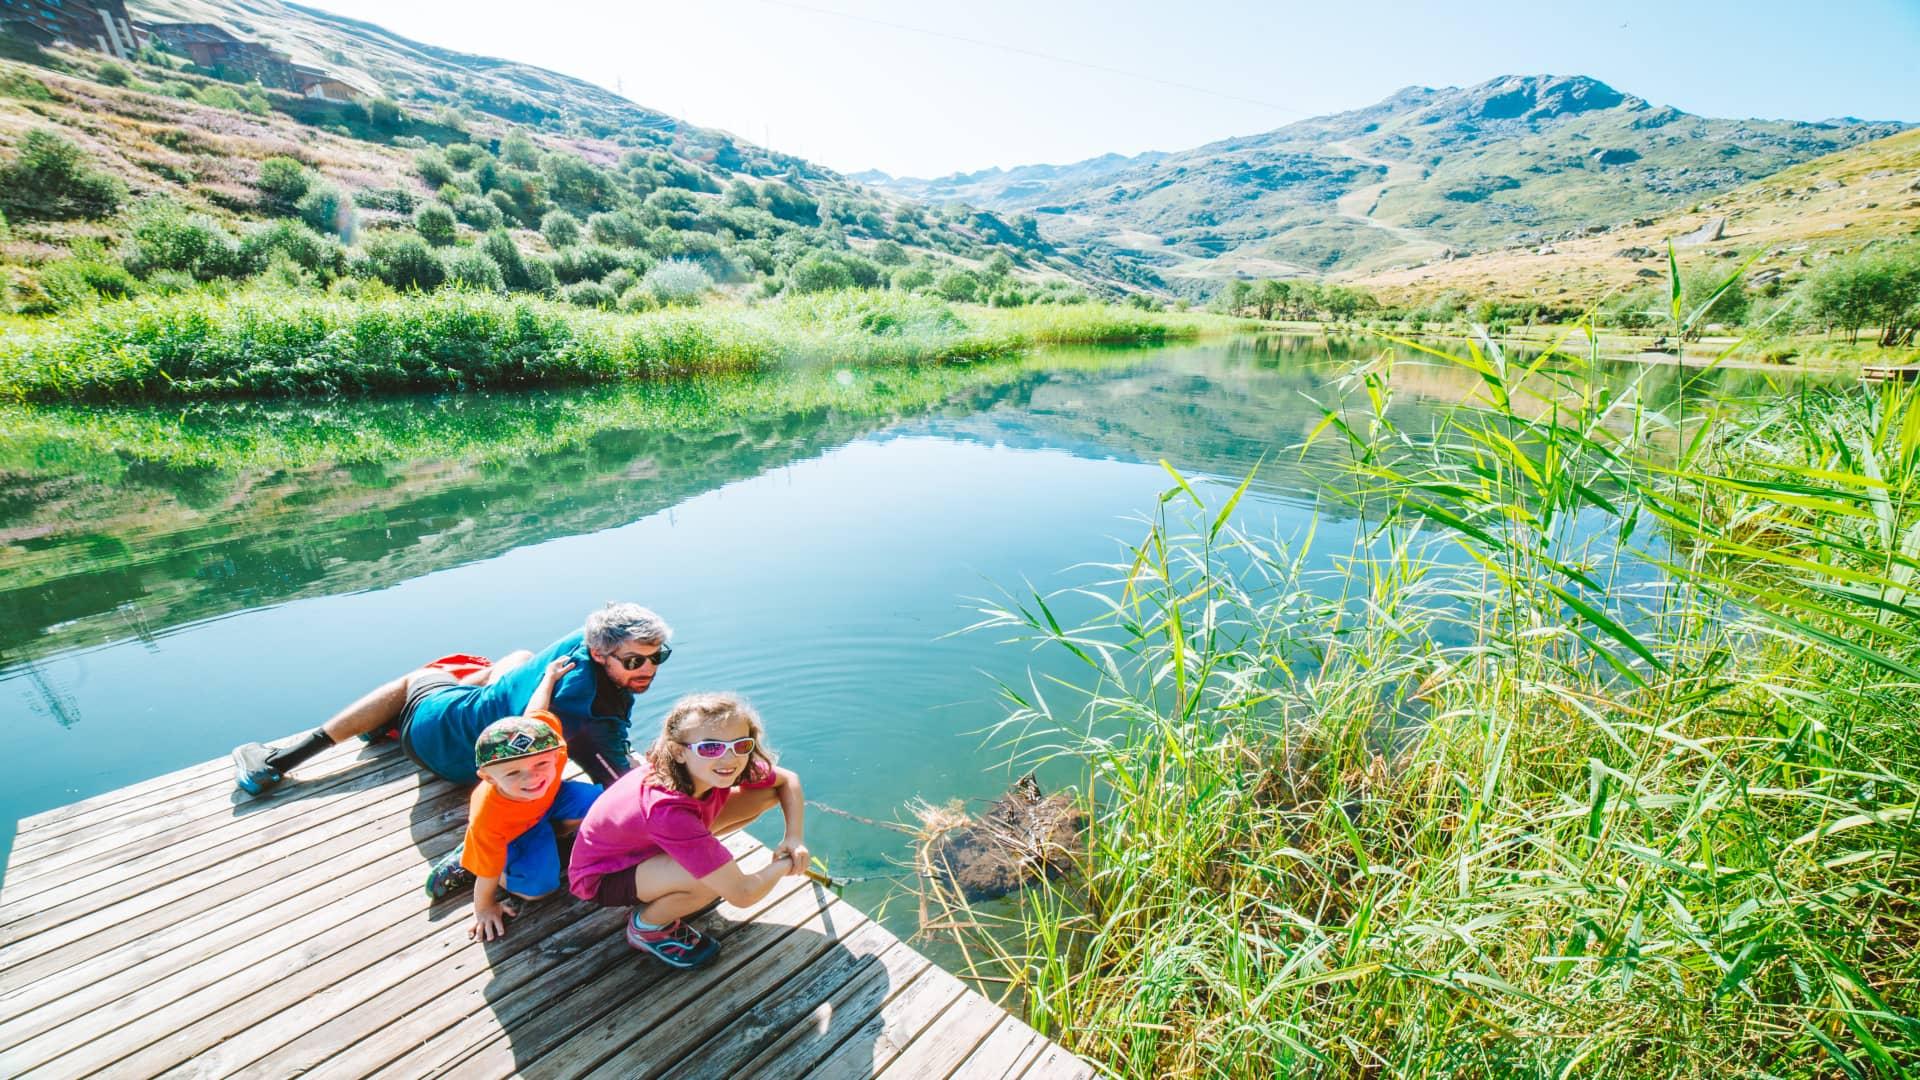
(637, 819)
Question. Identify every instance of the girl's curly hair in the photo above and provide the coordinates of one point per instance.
(696, 710)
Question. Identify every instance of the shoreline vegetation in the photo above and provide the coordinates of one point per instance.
(1595, 755)
(258, 344)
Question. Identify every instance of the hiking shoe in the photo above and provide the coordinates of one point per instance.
(448, 876)
(251, 773)
(676, 945)
(390, 733)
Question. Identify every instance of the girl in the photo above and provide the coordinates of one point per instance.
(651, 842)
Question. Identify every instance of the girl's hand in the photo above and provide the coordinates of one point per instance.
(795, 848)
(489, 919)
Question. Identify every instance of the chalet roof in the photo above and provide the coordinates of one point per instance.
(204, 32)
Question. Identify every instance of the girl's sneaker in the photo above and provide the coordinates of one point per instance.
(676, 944)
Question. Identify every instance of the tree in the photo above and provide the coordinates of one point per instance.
(473, 268)
(51, 181)
(888, 253)
(789, 203)
(434, 222)
(741, 193)
(819, 272)
(958, 285)
(577, 185)
(518, 151)
(1239, 293)
(1271, 298)
(385, 114)
(282, 181)
(677, 281)
(561, 229)
(404, 261)
(326, 210)
(433, 167)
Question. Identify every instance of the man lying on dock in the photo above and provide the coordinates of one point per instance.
(439, 715)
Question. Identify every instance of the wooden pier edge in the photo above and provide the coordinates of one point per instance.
(177, 928)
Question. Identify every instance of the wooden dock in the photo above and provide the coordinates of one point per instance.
(174, 928)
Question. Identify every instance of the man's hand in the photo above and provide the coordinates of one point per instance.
(795, 848)
(489, 918)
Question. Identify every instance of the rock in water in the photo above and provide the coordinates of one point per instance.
(1705, 234)
(1021, 837)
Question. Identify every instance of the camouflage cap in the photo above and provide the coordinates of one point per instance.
(514, 737)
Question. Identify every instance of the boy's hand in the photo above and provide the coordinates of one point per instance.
(794, 848)
(557, 667)
(489, 919)
(542, 696)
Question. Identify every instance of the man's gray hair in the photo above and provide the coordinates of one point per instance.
(621, 622)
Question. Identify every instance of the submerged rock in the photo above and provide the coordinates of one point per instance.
(1023, 836)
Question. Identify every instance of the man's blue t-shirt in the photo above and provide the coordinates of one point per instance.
(593, 715)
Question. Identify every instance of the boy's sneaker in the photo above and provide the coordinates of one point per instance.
(251, 773)
(676, 945)
(448, 876)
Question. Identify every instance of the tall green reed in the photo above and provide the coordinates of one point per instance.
(1594, 754)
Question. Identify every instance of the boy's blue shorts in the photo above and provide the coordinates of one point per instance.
(533, 858)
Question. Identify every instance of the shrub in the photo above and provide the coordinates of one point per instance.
(113, 74)
(620, 228)
(86, 277)
(637, 300)
(790, 204)
(619, 281)
(585, 262)
(433, 167)
(888, 253)
(589, 294)
(957, 285)
(326, 210)
(50, 180)
(434, 222)
(385, 114)
(478, 212)
(165, 236)
(220, 97)
(404, 261)
(561, 229)
(463, 156)
(292, 239)
(392, 200)
(282, 181)
(912, 278)
(677, 281)
(540, 276)
(819, 272)
(472, 268)
(505, 254)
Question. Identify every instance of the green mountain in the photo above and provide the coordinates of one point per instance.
(1423, 176)
(497, 144)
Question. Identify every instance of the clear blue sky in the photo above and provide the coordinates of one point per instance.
(918, 88)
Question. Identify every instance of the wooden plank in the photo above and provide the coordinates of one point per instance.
(91, 889)
(136, 1006)
(94, 849)
(1006, 1052)
(263, 876)
(512, 1014)
(942, 1046)
(648, 994)
(195, 785)
(741, 1014)
(878, 1041)
(375, 986)
(1057, 1063)
(804, 1003)
(822, 1030)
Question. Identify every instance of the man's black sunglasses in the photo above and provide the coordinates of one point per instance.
(634, 660)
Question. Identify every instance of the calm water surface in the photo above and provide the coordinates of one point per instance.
(815, 539)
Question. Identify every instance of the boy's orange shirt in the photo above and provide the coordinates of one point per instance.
(494, 821)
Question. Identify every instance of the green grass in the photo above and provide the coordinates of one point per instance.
(1596, 755)
(196, 345)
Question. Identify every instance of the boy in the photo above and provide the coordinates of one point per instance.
(518, 813)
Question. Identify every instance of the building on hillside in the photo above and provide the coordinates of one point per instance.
(315, 83)
(101, 25)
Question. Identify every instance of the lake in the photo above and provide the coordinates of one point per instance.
(174, 583)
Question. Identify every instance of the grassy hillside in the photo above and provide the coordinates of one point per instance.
(1421, 176)
(1792, 220)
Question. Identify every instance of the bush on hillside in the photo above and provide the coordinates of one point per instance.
(113, 74)
(585, 262)
(326, 209)
(307, 249)
(620, 228)
(473, 268)
(957, 285)
(434, 222)
(84, 278)
(433, 167)
(819, 272)
(677, 281)
(561, 229)
(166, 236)
(478, 212)
(50, 180)
(404, 261)
(281, 182)
(1873, 288)
(590, 294)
